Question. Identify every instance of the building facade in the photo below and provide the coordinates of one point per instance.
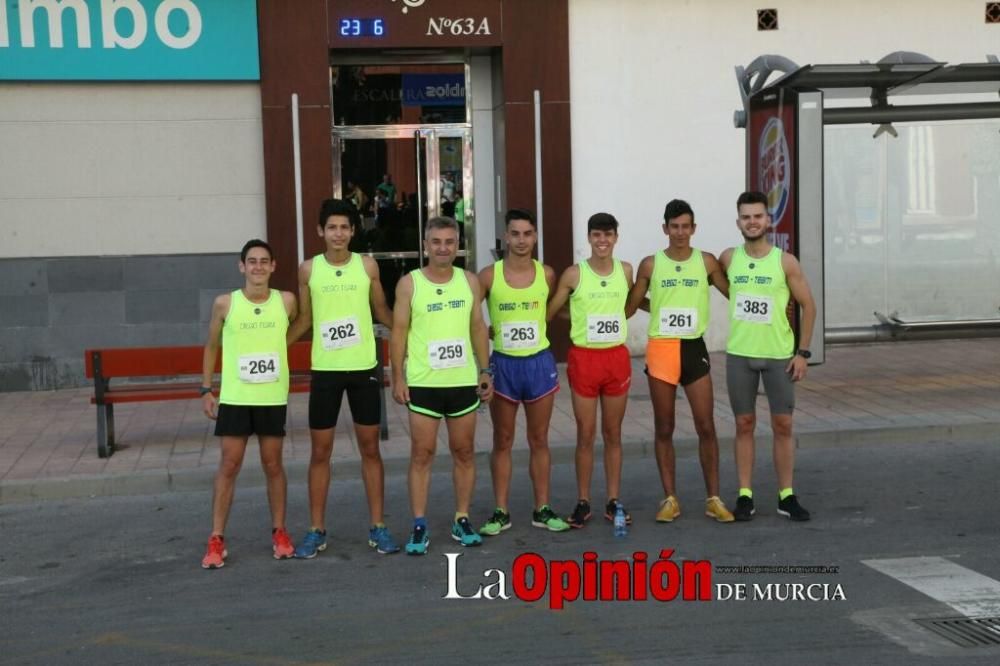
(145, 141)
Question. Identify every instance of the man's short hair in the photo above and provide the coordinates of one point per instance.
(677, 207)
(251, 244)
(440, 222)
(752, 197)
(339, 208)
(520, 214)
(602, 222)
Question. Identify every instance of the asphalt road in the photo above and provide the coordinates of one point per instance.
(117, 580)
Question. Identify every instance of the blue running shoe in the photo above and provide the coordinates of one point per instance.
(313, 542)
(461, 531)
(419, 541)
(380, 539)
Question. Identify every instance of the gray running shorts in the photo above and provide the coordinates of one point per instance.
(743, 375)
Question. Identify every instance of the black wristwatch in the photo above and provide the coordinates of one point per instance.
(204, 390)
(804, 353)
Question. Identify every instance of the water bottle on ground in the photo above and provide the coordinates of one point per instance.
(621, 527)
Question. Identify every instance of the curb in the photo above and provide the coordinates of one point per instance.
(200, 479)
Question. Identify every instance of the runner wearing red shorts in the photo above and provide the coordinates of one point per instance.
(599, 368)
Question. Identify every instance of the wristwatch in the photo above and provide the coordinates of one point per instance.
(486, 371)
(804, 353)
(204, 390)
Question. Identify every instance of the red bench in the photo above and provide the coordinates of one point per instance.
(166, 363)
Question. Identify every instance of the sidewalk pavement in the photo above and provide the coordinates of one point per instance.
(862, 394)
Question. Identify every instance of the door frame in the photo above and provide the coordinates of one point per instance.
(430, 158)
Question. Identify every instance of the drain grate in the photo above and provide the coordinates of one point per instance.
(965, 631)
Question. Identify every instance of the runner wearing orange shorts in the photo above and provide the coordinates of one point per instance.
(677, 280)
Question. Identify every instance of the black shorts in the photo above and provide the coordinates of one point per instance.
(326, 394)
(244, 420)
(451, 402)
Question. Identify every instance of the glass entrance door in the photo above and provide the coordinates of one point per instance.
(398, 178)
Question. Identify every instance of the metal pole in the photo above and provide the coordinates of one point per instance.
(297, 159)
(420, 204)
(915, 113)
(538, 174)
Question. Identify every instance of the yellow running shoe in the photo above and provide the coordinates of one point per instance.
(715, 508)
(670, 508)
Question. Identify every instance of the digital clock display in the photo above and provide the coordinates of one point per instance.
(362, 27)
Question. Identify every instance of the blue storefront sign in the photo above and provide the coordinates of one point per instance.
(128, 40)
(433, 90)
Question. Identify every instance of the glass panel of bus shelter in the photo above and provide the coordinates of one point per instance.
(912, 224)
(399, 94)
(380, 177)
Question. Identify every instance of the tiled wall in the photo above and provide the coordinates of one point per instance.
(53, 309)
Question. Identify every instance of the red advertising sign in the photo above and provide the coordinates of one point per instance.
(771, 161)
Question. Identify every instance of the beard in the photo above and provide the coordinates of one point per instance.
(762, 234)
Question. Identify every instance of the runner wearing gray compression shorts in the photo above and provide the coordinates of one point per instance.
(761, 345)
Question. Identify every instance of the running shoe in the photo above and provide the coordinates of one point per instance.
(281, 544)
(461, 531)
(744, 509)
(547, 519)
(669, 509)
(419, 541)
(380, 539)
(215, 555)
(612, 506)
(313, 542)
(581, 514)
(716, 508)
(790, 508)
(498, 522)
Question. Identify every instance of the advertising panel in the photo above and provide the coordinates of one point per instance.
(128, 40)
(771, 146)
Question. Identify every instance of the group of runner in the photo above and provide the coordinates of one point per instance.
(442, 367)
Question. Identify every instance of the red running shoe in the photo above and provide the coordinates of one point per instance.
(283, 548)
(215, 556)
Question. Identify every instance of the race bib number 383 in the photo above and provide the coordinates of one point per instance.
(447, 354)
(753, 308)
(260, 368)
(519, 334)
(605, 328)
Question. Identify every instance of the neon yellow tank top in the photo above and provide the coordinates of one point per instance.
(518, 315)
(254, 352)
(438, 347)
(343, 335)
(597, 308)
(678, 297)
(758, 307)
